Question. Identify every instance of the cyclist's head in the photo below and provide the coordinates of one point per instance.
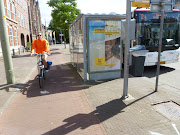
(39, 36)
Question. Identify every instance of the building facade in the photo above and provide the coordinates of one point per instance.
(17, 22)
(34, 19)
(23, 22)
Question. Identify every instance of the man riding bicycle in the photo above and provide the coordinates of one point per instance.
(42, 47)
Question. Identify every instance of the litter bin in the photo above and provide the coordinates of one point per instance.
(138, 54)
(137, 67)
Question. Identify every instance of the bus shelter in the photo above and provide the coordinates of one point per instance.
(95, 46)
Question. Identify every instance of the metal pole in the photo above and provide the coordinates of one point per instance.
(5, 46)
(85, 47)
(64, 39)
(127, 46)
(54, 37)
(61, 36)
(160, 45)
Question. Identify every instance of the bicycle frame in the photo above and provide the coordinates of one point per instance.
(41, 71)
(41, 65)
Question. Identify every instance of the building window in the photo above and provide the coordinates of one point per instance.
(13, 11)
(16, 37)
(20, 3)
(8, 9)
(11, 36)
(19, 18)
(26, 6)
(22, 20)
(23, 4)
(27, 24)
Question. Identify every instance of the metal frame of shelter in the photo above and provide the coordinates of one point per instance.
(87, 45)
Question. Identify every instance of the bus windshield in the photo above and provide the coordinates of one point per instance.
(148, 30)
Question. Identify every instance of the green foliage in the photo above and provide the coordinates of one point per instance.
(28, 45)
(63, 14)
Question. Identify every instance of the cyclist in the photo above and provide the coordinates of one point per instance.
(41, 46)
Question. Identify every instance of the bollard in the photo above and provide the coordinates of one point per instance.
(23, 50)
(13, 52)
(19, 50)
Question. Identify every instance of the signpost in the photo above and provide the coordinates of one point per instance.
(127, 46)
(156, 6)
(135, 3)
(160, 6)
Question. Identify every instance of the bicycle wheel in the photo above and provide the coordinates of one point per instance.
(41, 78)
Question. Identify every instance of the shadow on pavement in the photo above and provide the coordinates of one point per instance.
(81, 121)
(54, 49)
(7, 87)
(55, 53)
(20, 56)
(64, 78)
(60, 78)
(150, 71)
(102, 112)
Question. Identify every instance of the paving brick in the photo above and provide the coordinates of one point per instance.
(65, 110)
(74, 107)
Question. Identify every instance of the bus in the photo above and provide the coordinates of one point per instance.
(148, 34)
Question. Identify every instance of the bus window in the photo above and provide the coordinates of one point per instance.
(148, 29)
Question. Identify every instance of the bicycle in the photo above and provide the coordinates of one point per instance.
(41, 71)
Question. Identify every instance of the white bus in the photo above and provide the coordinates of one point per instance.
(148, 33)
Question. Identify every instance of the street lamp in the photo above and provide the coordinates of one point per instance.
(66, 22)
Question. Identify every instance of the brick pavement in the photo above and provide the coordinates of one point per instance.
(81, 101)
(136, 115)
(65, 110)
(23, 66)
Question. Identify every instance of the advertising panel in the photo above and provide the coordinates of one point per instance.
(104, 44)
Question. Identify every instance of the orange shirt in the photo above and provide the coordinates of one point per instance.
(41, 46)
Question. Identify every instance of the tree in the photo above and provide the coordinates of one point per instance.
(63, 14)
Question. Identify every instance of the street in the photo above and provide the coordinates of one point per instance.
(31, 112)
(74, 107)
(96, 82)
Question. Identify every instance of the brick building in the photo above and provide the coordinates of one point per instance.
(23, 22)
(34, 18)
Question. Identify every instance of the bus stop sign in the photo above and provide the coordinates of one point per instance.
(155, 5)
(61, 35)
(141, 3)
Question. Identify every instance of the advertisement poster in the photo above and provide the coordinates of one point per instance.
(104, 45)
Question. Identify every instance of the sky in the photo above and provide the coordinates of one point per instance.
(87, 6)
